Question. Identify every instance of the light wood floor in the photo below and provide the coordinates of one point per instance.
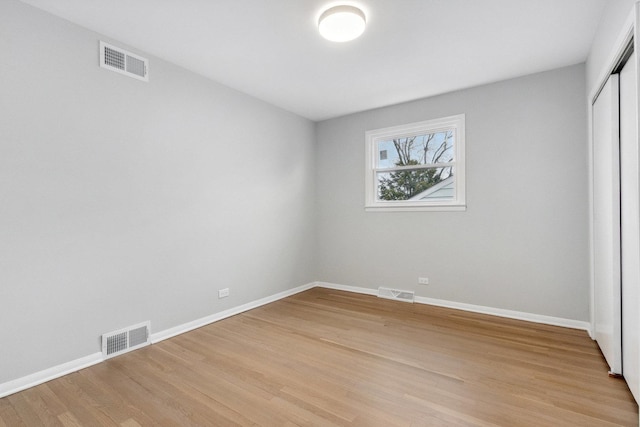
(326, 358)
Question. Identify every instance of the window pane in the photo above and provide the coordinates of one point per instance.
(417, 184)
(423, 149)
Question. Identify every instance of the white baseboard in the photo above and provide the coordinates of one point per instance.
(45, 375)
(49, 374)
(356, 289)
(519, 315)
(186, 327)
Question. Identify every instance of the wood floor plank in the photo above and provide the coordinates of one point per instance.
(8, 415)
(78, 401)
(26, 413)
(333, 358)
(47, 411)
(69, 420)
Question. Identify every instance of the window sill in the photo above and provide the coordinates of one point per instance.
(432, 208)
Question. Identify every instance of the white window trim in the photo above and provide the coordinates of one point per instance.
(458, 203)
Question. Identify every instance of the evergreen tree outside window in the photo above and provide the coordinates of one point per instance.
(418, 166)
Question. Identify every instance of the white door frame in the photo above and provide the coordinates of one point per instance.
(627, 34)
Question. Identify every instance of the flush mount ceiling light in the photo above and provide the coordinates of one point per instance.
(341, 23)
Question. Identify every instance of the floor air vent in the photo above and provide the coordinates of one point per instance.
(126, 339)
(121, 61)
(396, 294)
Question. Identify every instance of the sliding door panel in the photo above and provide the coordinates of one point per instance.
(630, 221)
(606, 224)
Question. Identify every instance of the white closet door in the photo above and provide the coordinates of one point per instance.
(606, 224)
(630, 219)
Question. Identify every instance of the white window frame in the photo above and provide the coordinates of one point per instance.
(372, 137)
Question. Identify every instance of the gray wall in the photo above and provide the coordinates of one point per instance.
(521, 244)
(122, 201)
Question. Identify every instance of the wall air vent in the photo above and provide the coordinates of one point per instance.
(121, 61)
(126, 339)
(396, 294)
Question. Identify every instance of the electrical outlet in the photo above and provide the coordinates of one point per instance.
(223, 293)
(423, 281)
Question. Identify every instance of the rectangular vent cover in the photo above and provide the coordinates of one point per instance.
(126, 339)
(121, 61)
(396, 294)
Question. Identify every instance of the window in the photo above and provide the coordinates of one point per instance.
(419, 166)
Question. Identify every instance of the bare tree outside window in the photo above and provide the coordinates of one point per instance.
(419, 163)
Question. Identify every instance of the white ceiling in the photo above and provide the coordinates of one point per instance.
(411, 49)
